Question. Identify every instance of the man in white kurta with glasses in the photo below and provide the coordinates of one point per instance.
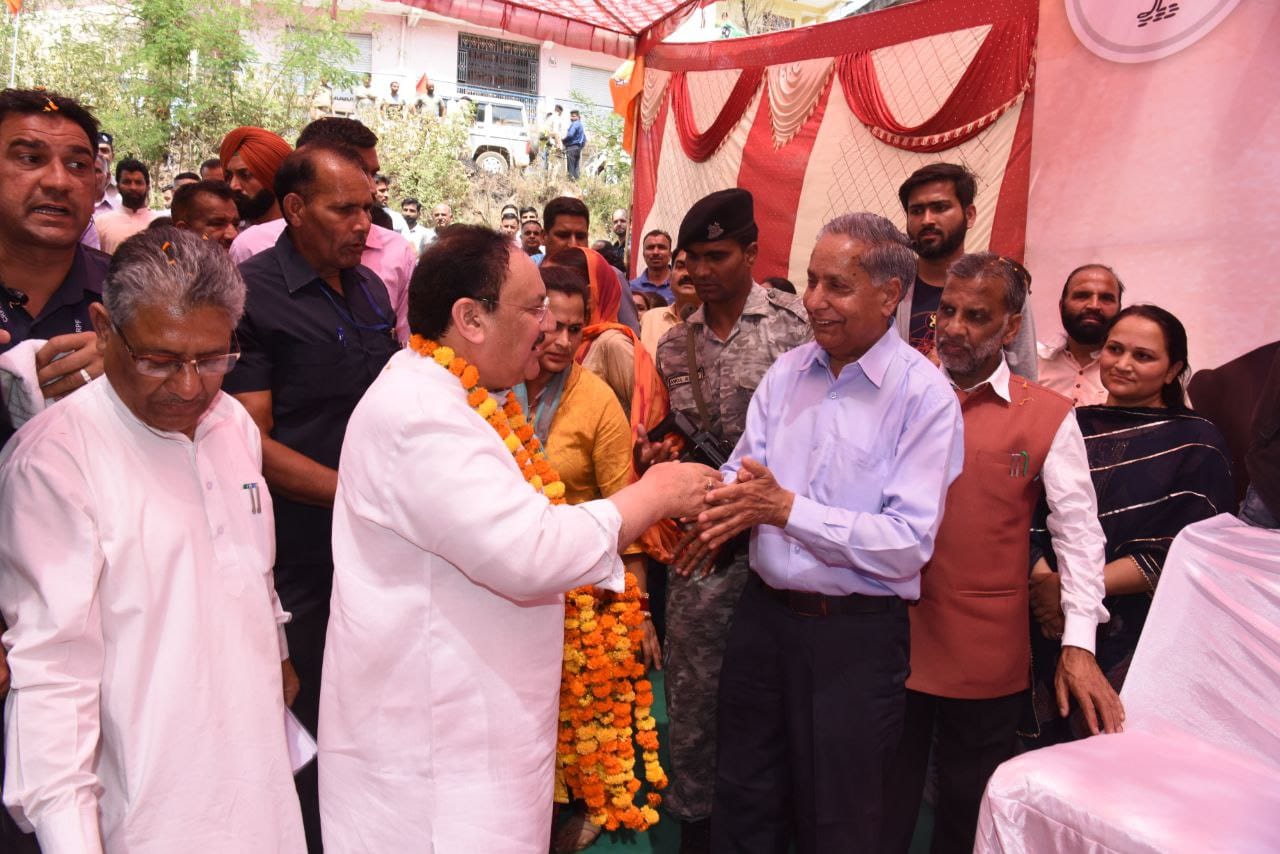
(147, 706)
(439, 699)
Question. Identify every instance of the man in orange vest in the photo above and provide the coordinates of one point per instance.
(970, 647)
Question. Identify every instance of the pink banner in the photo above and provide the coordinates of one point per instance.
(1156, 134)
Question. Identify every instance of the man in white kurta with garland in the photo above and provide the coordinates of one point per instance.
(147, 709)
(441, 677)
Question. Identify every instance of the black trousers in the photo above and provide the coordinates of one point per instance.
(306, 633)
(973, 737)
(810, 711)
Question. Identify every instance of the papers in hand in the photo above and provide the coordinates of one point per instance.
(302, 746)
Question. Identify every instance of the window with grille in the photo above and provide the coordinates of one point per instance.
(495, 67)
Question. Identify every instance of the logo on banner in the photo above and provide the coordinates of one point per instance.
(1157, 13)
(1143, 30)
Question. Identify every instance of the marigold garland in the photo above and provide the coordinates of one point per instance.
(606, 709)
(508, 420)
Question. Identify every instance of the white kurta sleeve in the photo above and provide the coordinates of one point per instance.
(1077, 537)
(50, 566)
(448, 485)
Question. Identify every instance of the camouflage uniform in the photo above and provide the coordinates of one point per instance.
(698, 609)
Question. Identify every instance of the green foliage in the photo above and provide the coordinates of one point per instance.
(421, 156)
(169, 78)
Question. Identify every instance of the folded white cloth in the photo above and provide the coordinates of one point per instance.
(18, 383)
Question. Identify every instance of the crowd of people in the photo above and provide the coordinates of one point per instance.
(273, 469)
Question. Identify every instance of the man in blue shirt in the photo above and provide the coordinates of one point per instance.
(574, 139)
(656, 276)
(851, 443)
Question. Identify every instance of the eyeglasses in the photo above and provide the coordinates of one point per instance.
(539, 312)
(164, 367)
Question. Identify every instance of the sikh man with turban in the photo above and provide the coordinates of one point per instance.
(250, 157)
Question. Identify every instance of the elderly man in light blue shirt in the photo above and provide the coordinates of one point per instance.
(851, 444)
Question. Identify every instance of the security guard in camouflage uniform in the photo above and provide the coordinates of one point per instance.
(736, 335)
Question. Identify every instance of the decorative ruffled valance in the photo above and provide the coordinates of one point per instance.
(698, 146)
(999, 74)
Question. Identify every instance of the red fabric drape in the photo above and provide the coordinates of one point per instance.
(699, 146)
(998, 75)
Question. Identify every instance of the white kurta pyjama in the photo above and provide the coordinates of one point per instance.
(146, 713)
(439, 700)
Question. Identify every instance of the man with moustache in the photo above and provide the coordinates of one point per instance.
(442, 216)
(1091, 297)
(49, 279)
(386, 253)
(250, 157)
(317, 329)
(208, 210)
(133, 215)
(418, 234)
(732, 340)
(938, 202)
(851, 441)
(970, 650)
(531, 239)
(655, 323)
(656, 277)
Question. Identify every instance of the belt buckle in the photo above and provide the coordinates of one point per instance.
(799, 603)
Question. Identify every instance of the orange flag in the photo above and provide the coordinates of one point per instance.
(15, 6)
(626, 86)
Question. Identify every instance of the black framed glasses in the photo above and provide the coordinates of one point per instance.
(539, 311)
(164, 367)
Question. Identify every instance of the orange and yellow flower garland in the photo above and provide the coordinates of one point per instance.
(606, 709)
(508, 420)
(603, 691)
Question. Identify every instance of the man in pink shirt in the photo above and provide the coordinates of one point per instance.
(1090, 298)
(387, 253)
(116, 227)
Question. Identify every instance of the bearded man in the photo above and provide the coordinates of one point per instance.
(938, 202)
(250, 158)
(1091, 297)
(970, 650)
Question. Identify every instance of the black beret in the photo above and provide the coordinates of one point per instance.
(723, 215)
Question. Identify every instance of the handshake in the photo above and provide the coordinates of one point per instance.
(712, 511)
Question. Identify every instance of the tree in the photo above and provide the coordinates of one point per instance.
(169, 78)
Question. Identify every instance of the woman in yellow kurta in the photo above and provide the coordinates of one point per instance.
(588, 442)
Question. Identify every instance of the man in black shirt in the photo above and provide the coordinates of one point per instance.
(48, 279)
(938, 202)
(317, 329)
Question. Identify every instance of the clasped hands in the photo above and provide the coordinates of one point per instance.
(754, 498)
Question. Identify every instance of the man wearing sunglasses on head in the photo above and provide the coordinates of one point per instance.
(318, 328)
(149, 670)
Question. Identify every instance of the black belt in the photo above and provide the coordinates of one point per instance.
(808, 604)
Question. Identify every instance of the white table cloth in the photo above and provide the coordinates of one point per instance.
(1197, 768)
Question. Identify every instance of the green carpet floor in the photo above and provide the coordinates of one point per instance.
(664, 837)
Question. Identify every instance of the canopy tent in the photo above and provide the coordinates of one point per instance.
(620, 27)
(830, 119)
(1154, 134)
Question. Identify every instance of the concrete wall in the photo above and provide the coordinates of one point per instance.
(408, 43)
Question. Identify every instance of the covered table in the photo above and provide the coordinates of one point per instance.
(1198, 765)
